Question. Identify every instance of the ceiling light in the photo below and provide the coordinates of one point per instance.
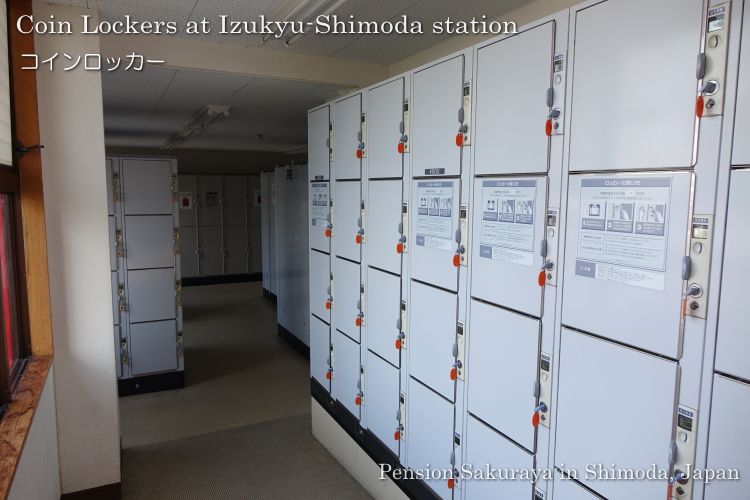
(326, 8)
(200, 121)
(300, 11)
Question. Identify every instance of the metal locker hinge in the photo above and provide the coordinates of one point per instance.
(180, 350)
(460, 349)
(329, 141)
(118, 243)
(116, 186)
(402, 325)
(121, 296)
(178, 292)
(174, 187)
(401, 417)
(124, 351)
(176, 240)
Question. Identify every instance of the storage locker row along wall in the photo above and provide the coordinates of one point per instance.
(221, 224)
(146, 280)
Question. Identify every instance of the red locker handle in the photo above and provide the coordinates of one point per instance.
(401, 148)
(328, 305)
(535, 420)
(357, 401)
(358, 321)
(328, 375)
(399, 248)
(358, 239)
(459, 139)
(453, 373)
(396, 435)
(451, 482)
(699, 107)
(456, 260)
(328, 233)
(548, 128)
(542, 279)
(398, 343)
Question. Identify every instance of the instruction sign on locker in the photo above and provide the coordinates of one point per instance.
(321, 225)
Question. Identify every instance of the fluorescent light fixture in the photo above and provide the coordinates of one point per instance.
(301, 11)
(326, 8)
(200, 121)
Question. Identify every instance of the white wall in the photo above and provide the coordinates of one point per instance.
(38, 473)
(75, 198)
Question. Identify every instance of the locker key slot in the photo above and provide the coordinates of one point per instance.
(404, 138)
(547, 266)
(397, 434)
(329, 226)
(361, 231)
(535, 419)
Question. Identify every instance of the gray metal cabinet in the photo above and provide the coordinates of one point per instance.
(318, 143)
(189, 252)
(346, 211)
(320, 216)
(256, 254)
(236, 200)
(149, 241)
(151, 295)
(238, 250)
(153, 347)
(147, 186)
(212, 250)
(320, 281)
(383, 314)
(320, 344)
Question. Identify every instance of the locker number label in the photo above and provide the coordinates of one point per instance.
(435, 215)
(508, 220)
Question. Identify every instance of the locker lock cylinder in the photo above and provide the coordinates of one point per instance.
(329, 226)
(361, 145)
(399, 427)
(329, 301)
(401, 336)
(542, 408)
(547, 266)
(404, 138)
(457, 364)
(402, 239)
(360, 231)
(459, 251)
(360, 315)
(462, 129)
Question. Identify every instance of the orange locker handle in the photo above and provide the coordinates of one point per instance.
(400, 244)
(358, 399)
(454, 370)
(398, 340)
(542, 278)
(451, 482)
(457, 256)
(329, 373)
(397, 434)
(535, 419)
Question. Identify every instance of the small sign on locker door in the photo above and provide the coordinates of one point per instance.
(186, 200)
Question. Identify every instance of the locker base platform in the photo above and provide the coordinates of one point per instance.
(151, 383)
(221, 280)
(296, 343)
(270, 296)
(339, 431)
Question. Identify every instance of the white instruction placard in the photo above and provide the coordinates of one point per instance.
(508, 207)
(319, 204)
(622, 231)
(435, 215)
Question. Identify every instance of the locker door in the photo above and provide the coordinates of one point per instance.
(320, 280)
(254, 199)
(146, 187)
(151, 295)
(256, 262)
(189, 253)
(212, 250)
(118, 362)
(429, 434)
(317, 137)
(346, 204)
(570, 490)
(384, 206)
(345, 371)
(149, 242)
(632, 106)
(741, 146)
(509, 225)
(110, 165)
(112, 244)
(485, 446)
(153, 347)
(383, 312)
(188, 193)
(733, 344)
(212, 196)
(346, 283)
(624, 416)
(434, 118)
(433, 226)
(623, 278)
(237, 250)
(235, 200)
(346, 127)
(502, 368)
(381, 400)
(728, 438)
(115, 300)
(319, 216)
(319, 351)
(516, 144)
(384, 116)
(432, 334)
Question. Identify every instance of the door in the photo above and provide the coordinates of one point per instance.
(508, 233)
(320, 283)
(429, 435)
(733, 344)
(383, 314)
(741, 146)
(187, 200)
(235, 200)
(485, 446)
(153, 347)
(256, 262)
(254, 197)
(151, 295)
(320, 352)
(384, 206)
(149, 241)
(502, 369)
(728, 439)
(112, 243)
(212, 198)
(189, 253)
(381, 401)
(632, 107)
(624, 416)
(146, 187)
(346, 204)
(317, 143)
(115, 297)
(433, 228)
(384, 118)
(624, 255)
(345, 372)
(238, 250)
(432, 335)
(509, 135)
(434, 118)
(320, 218)
(346, 137)
(212, 250)
(346, 289)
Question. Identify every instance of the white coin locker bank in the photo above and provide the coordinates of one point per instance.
(525, 269)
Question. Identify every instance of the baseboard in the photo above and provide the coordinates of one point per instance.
(221, 280)
(150, 383)
(296, 343)
(107, 492)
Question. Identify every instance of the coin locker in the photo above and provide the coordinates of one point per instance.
(347, 304)
(149, 241)
(347, 131)
(187, 200)
(733, 344)
(237, 250)
(189, 253)
(509, 240)
(153, 347)
(626, 257)
(146, 186)
(429, 430)
(321, 223)
(384, 315)
(151, 294)
(346, 365)
(632, 106)
(346, 210)
(741, 146)
(211, 200)
(320, 352)
(381, 400)
(114, 243)
(320, 285)
(256, 257)
(318, 134)
(212, 250)
(502, 365)
(517, 145)
(616, 405)
(235, 200)
(384, 224)
(116, 297)
(384, 122)
(113, 184)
